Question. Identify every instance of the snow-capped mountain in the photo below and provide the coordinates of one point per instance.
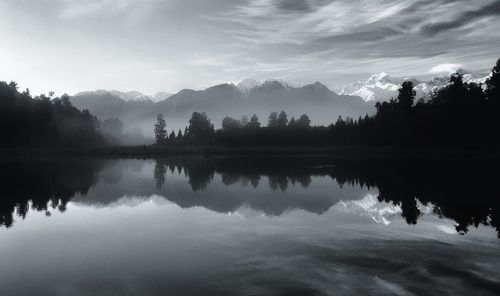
(378, 87)
(127, 96)
(369, 206)
(321, 104)
(382, 86)
(248, 85)
(131, 96)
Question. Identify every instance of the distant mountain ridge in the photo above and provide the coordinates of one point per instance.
(382, 86)
(261, 98)
(129, 96)
(248, 85)
(245, 98)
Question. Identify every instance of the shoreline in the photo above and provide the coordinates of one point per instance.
(340, 152)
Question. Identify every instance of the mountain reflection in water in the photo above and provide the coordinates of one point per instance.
(248, 226)
(463, 192)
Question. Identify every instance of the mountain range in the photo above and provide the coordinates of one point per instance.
(138, 111)
(382, 86)
(128, 96)
(246, 98)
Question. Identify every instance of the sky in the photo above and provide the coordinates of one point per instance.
(167, 45)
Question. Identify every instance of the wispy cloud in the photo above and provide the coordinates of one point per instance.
(83, 8)
(445, 68)
(462, 18)
(190, 43)
(364, 29)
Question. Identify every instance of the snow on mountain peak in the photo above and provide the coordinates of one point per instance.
(369, 206)
(379, 77)
(99, 92)
(378, 85)
(132, 96)
(248, 85)
(128, 96)
(382, 86)
(275, 83)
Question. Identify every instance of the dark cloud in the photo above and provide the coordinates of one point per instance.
(293, 5)
(462, 19)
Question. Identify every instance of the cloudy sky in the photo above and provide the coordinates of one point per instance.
(167, 45)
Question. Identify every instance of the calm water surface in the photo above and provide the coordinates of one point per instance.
(248, 226)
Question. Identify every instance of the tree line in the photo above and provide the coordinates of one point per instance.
(44, 121)
(459, 114)
(49, 122)
(449, 187)
(200, 130)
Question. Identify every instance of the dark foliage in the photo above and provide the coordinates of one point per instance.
(44, 122)
(463, 191)
(200, 130)
(43, 185)
(160, 129)
(459, 115)
(404, 182)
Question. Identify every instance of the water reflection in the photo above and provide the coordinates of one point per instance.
(461, 191)
(43, 184)
(273, 186)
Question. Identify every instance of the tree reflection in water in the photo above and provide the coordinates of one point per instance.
(462, 191)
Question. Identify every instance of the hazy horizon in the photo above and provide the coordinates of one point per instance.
(68, 46)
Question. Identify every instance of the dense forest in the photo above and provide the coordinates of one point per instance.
(459, 114)
(44, 121)
(53, 122)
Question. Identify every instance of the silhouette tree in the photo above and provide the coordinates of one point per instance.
(229, 123)
(254, 122)
(459, 114)
(282, 120)
(304, 121)
(172, 136)
(340, 121)
(273, 120)
(160, 129)
(406, 96)
(44, 122)
(200, 129)
(493, 84)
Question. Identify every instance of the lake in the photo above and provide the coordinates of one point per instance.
(249, 226)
